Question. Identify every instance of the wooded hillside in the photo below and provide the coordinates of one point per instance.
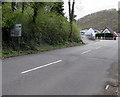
(100, 20)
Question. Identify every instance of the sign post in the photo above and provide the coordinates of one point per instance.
(16, 33)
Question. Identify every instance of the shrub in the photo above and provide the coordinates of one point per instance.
(104, 35)
(50, 28)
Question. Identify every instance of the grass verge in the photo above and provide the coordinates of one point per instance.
(6, 53)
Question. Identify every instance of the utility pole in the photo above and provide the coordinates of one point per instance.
(71, 16)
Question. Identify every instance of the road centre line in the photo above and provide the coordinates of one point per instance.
(107, 87)
(86, 52)
(40, 67)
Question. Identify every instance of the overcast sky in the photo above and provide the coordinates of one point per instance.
(85, 7)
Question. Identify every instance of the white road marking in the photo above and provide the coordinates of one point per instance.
(86, 52)
(97, 48)
(40, 67)
(107, 87)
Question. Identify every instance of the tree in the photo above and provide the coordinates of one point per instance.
(35, 11)
(35, 6)
(23, 6)
(71, 15)
(58, 7)
(13, 6)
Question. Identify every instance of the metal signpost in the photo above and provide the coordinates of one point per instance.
(16, 33)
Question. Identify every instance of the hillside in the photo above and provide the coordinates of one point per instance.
(100, 20)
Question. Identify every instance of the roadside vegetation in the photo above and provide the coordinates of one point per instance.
(106, 35)
(44, 27)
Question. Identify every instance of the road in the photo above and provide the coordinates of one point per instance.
(86, 39)
(80, 70)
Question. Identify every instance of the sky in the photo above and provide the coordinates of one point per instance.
(85, 7)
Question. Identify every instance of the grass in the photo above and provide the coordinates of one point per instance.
(8, 52)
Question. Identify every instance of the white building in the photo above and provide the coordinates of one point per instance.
(106, 30)
(90, 32)
(83, 31)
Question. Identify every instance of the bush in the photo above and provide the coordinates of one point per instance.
(104, 35)
(49, 28)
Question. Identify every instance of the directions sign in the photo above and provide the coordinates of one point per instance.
(16, 31)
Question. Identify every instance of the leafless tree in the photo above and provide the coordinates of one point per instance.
(71, 15)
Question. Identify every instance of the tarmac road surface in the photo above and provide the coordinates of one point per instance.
(80, 70)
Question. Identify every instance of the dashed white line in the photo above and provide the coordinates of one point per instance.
(107, 87)
(86, 52)
(40, 67)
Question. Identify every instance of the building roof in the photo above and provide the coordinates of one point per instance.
(110, 30)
